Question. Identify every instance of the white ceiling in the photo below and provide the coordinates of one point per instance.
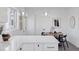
(40, 10)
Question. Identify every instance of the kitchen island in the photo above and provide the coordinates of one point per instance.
(33, 43)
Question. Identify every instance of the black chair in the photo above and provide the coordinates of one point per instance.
(63, 40)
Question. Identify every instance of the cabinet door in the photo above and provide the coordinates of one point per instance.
(28, 47)
(50, 47)
(38, 46)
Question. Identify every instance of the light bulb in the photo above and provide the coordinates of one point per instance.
(22, 13)
(46, 14)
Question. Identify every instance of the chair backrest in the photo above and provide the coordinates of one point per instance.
(65, 36)
(61, 38)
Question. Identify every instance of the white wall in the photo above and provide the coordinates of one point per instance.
(73, 35)
(30, 25)
(37, 20)
(43, 22)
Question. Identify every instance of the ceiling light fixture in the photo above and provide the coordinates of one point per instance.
(23, 13)
(46, 14)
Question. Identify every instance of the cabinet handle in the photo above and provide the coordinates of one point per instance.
(20, 48)
(38, 45)
(50, 47)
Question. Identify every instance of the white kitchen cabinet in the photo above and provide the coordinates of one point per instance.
(39, 47)
(31, 47)
(27, 47)
(34, 43)
(46, 47)
(3, 15)
(4, 46)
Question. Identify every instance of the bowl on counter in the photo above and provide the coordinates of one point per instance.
(5, 37)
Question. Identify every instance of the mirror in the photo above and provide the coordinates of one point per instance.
(72, 22)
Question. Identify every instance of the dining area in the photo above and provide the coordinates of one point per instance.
(61, 37)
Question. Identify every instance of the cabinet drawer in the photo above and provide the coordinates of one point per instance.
(50, 47)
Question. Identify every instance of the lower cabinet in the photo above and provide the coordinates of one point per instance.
(39, 47)
(27, 47)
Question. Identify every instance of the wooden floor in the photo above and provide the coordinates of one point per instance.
(71, 48)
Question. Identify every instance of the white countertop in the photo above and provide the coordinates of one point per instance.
(35, 38)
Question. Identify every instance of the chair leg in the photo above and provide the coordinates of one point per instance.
(67, 44)
(64, 46)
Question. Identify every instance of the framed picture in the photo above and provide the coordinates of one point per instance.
(56, 22)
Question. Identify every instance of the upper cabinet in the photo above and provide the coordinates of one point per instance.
(21, 20)
(12, 18)
(3, 15)
(17, 19)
